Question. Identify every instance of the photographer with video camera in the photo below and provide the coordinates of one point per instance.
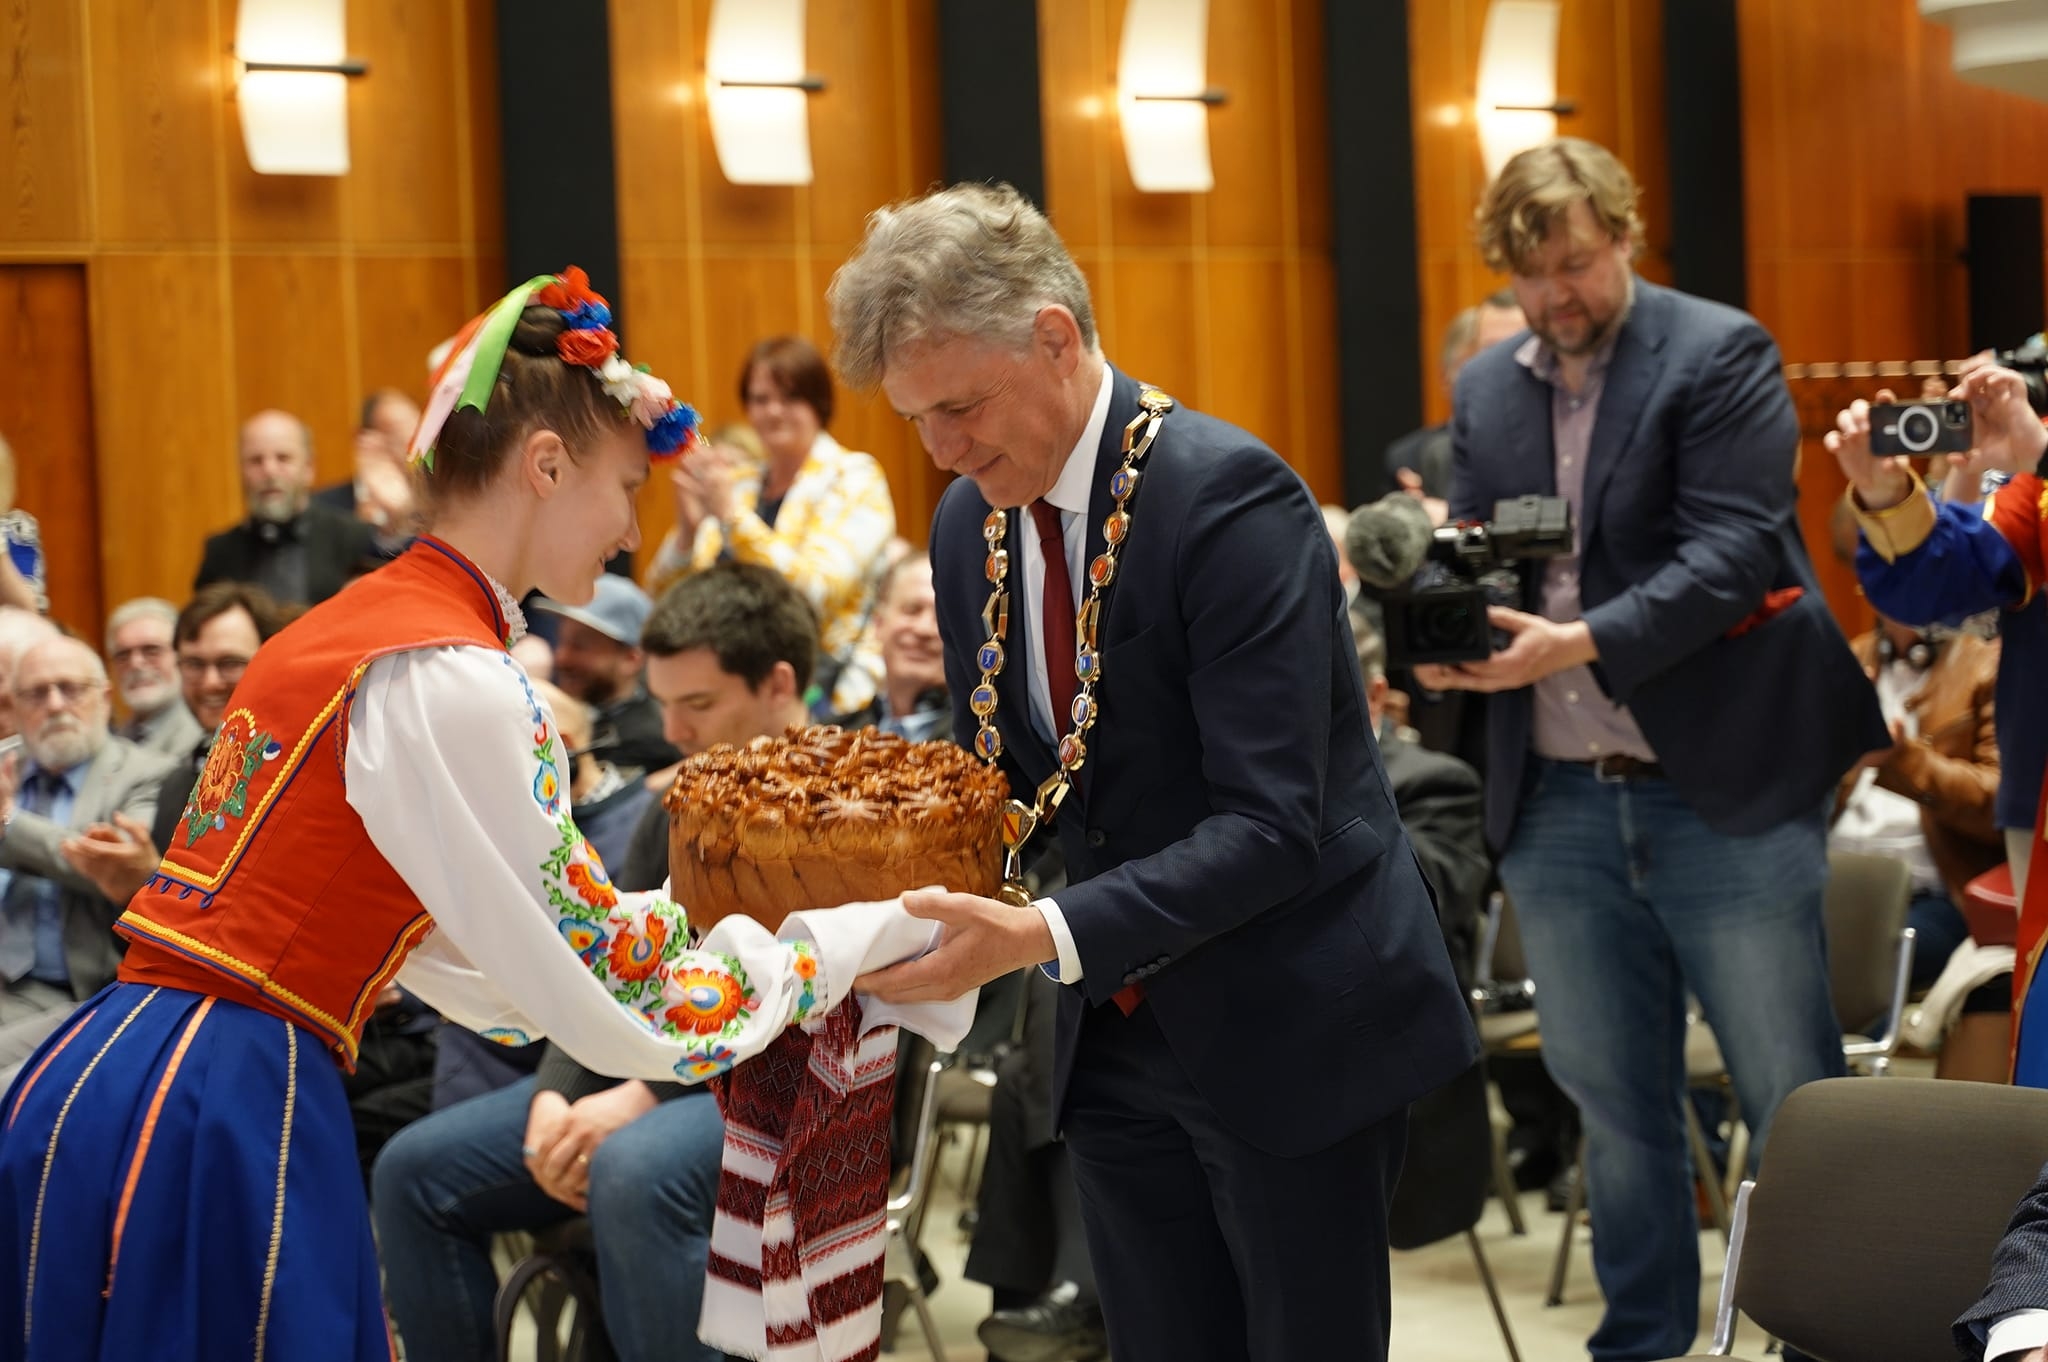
(1669, 711)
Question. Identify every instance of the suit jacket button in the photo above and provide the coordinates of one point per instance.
(1130, 978)
(1097, 837)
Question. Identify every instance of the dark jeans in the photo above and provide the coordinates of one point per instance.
(1627, 902)
(446, 1184)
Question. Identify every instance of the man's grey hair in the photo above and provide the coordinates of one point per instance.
(142, 607)
(21, 630)
(975, 260)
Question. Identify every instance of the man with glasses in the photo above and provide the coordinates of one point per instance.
(144, 663)
(57, 946)
(216, 635)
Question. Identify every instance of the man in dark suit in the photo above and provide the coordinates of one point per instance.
(1669, 714)
(299, 552)
(1242, 905)
(2009, 1322)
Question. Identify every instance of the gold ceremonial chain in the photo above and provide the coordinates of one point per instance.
(1020, 821)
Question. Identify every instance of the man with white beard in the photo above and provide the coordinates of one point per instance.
(57, 946)
(145, 666)
(299, 552)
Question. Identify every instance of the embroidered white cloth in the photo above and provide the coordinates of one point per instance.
(462, 784)
(795, 1270)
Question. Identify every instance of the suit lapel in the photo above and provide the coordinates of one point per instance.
(1638, 359)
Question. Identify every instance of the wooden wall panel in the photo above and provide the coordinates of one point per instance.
(164, 417)
(157, 73)
(215, 291)
(1609, 64)
(1854, 234)
(43, 159)
(288, 344)
(46, 416)
(711, 267)
(1208, 294)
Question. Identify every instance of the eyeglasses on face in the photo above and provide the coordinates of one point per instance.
(228, 669)
(71, 690)
(141, 652)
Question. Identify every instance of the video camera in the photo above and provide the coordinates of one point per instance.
(1435, 584)
(2030, 361)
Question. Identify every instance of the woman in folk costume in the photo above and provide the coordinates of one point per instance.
(386, 800)
(1924, 562)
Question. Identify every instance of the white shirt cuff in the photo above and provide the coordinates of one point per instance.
(1066, 968)
(2022, 1331)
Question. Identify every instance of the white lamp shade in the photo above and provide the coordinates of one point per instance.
(293, 122)
(763, 136)
(1517, 66)
(1165, 55)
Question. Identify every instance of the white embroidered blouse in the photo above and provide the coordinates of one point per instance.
(461, 780)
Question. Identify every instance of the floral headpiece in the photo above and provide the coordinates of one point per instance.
(470, 373)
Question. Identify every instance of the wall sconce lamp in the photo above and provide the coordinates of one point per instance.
(291, 85)
(1164, 95)
(759, 91)
(1517, 86)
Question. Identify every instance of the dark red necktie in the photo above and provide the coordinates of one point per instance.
(1056, 617)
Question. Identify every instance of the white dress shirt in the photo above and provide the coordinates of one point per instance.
(1070, 497)
(2022, 1331)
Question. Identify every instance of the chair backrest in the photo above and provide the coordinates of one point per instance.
(1877, 1209)
(1506, 960)
(1448, 1173)
(1866, 906)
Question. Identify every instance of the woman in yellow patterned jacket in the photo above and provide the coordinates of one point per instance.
(815, 511)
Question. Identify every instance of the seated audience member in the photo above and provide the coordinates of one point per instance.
(597, 659)
(381, 492)
(1337, 520)
(20, 630)
(729, 654)
(1923, 562)
(607, 803)
(912, 701)
(2009, 1322)
(816, 512)
(300, 553)
(142, 651)
(1420, 461)
(537, 655)
(216, 634)
(57, 944)
(1929, 798)
(1442, 809)
(22, 582)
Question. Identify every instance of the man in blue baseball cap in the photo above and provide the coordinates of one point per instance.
(598, 660)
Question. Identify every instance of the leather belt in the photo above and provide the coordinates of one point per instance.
(1616, 768)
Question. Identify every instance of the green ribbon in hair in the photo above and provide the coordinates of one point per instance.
(492, 339)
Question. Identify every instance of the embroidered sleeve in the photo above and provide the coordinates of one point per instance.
(456, 769)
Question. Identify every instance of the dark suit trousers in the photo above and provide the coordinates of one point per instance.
(1207, 1249)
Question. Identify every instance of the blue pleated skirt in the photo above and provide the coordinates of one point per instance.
(178, 1182)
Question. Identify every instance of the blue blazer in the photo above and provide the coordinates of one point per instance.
(1687, 523)
(1233, 842)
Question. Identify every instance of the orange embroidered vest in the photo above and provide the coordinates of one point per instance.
(271, 893)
